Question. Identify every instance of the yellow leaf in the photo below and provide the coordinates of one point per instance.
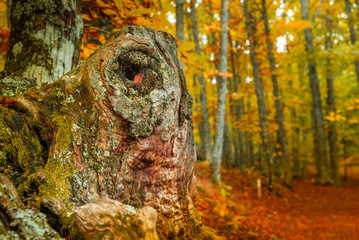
(86, 17)
(100, 3)
(91, 46)
(109, 12)
(86, 53)
(119, 4)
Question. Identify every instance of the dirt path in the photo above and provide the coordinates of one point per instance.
(311, 212)
(330, 212)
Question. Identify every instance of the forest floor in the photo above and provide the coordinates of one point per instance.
(309, 212)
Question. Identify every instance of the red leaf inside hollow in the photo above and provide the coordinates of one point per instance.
(138, 78)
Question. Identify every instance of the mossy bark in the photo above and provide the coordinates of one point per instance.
(118, 126)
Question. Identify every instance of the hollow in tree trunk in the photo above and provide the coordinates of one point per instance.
(114, 134)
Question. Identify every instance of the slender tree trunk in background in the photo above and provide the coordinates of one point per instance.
(47, 42)
(227, 154)
(215, 47)
(240, 158)
(318, 123)
(237, 140)
(232, 86)
(299, 128)
(231, 103)
(260, 97)
(211, 16)
(248, 137)
(206, 143)
(345, 148)
(248, 153)
(189, 27)
(245, 153)
(281, 135)
(295, 144)
(295, 136)
(200, 150)
(352, 33)
(180, 20)
(304, 137)
(249, 149)
(315, 153)
(221, 89)
(332, 134)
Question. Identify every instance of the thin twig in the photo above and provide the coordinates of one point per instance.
(100, 30)
(317, 12)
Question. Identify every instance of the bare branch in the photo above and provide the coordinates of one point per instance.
(317, 12)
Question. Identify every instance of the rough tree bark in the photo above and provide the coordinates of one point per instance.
(259, 93)
(206, 145)
(221, 89)
(45, 45)
(281, 135)
(113, 140)
(320, 148)
(352, 33)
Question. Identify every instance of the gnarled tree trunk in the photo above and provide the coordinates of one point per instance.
(115, 133)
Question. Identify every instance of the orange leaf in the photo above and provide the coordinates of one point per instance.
(138, 78)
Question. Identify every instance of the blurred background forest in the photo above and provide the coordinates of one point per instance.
(275, 99)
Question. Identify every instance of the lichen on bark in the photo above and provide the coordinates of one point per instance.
(48, 42)
(119, 126)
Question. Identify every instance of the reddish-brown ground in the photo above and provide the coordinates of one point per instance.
(310, 212)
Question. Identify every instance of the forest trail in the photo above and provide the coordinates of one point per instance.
(332, 213)
(310, 212)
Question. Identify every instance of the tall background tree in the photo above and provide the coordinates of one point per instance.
(320, 146)
(251, 31)
(48, 42)
(221, 95)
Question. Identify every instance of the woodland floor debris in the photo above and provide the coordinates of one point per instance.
(310, 212)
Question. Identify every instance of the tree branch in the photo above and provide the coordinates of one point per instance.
(317, 12)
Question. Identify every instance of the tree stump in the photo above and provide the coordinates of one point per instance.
(118, 126)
